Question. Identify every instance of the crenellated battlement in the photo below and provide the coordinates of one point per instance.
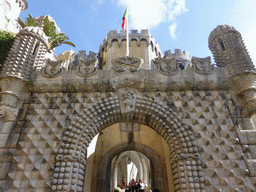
(182, 57)
(82, 55)
(144, 35)
(74, 58)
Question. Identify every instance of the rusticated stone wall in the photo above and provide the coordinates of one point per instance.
(203, 116)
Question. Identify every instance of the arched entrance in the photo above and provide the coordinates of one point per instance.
(71, 159)
(158, 181)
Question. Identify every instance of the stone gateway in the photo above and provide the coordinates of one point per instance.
(185, 123)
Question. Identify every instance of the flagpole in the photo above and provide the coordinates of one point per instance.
(127, 34)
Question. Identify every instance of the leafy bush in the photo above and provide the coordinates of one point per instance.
(6, 41)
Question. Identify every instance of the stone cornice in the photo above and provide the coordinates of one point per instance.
(143, 80)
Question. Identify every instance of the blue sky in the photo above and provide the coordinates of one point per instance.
(175, 24)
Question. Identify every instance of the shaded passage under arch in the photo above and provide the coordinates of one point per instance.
(160, 177)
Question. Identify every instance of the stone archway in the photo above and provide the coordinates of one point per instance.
(149, 153)
(71, 159)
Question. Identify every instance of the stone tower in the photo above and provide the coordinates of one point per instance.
(142, 45)
(228, 50)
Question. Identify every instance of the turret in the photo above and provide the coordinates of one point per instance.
(26, 54)
(181, 57)
(142, 45)
(229, 51)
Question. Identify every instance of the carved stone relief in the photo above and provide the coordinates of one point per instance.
(132, 63)
(87, 68)
(53, 68)
(202, 65)
(127, 100)
(129, 127)
(166, 66)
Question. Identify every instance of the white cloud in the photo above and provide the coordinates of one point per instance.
(172, 30)
(176, 8)
(146, 14)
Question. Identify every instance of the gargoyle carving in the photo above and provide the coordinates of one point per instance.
(8, 113)
(133, 63)
(166, 66)
(128, 99)
(202, 65)
(53, 68)
(87, 68)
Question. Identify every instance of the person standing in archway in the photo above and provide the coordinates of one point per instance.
(133, 184)
(142, 186)
(123, 183)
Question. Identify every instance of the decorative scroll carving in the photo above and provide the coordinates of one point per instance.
(8, 113)
(129, 127)
(133, 63)
(185, 156)
(53, 68)
(166, 66)
(128, 100)
(87, 68)
(202, 65)
(71, 158)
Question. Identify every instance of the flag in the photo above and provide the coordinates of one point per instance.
(124, 19)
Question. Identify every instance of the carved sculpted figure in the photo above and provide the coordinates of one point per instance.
(53, 68)
(128, 99)
(133, 63)
(202, 65)
(87, 68)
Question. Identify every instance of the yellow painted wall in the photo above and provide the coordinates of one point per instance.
(138, 51)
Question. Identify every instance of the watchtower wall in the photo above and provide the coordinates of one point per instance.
(141, 45)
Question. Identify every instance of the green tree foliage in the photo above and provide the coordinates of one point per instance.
(6, 42)
(30, 21)
(55, 39)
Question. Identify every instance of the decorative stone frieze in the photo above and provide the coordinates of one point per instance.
(132, 63)
(166, 66)
(87, 68)
(202, 65)
(52, 68)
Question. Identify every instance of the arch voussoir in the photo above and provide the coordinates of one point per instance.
(71, 158)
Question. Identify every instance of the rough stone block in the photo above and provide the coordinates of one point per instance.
(3, 139)
(4, 168)
(7, 127)
(247, 137)
(252, 167)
